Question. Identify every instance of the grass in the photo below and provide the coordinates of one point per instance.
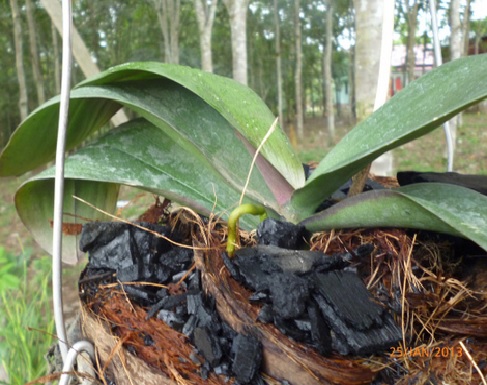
(25, 316)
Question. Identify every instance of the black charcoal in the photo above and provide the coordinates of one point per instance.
(346, 293)
(281, 234)
(320, 332)
(177, 258)
(195, 301)
(266, 314)
(189, 326)
(171, 319)
(289, 328)
(148, 273)
(289, 295)
(207, 345)
(118, 245)
(247, 359)
(259, 296)
(274, 259)
(141, 295)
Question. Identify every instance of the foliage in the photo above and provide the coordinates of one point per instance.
(195, 137)
(24, 308)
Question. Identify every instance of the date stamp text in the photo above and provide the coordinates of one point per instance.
(426, 352)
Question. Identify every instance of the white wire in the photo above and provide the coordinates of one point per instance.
(59, 182)
(438, 62)
(73, 353)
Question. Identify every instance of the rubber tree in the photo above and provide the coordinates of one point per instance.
(205, 14)
(237, 10)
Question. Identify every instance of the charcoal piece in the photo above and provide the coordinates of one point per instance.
(189, 326)
(117, 245)
(364, 250)
(303, 325)
(195, 301)
(171, 319)
(346, 293)
(259, 296)
(149, 273)
(222, 369)
(289, 295)
(288, 327)
(474, 182)
(266, 314)
(177, 258)
(281, 234)
(167, 303)
(320, 332)
(162, 293)
(177, 277)
(359, 342)
(195, 281)
(247, 358)
(139, 294)
(253, 269)
(232, 269)
(207, 344)
(273, 259)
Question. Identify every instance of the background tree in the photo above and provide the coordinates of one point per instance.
(205, 14)
(237, 11)
(19, 56)
(34, 55)
(328, 78)
(168, 14)
(298, 74)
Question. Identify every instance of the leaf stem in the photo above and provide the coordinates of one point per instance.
(246, 208)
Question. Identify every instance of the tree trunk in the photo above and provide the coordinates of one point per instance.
(80, 52)
(368, 21)
(327, 63)
(168, 15)
(278, 65)
(298, 74)
(237, 10)
(205, 14)
(466, 28)
(56, 59)
(412, 22)
(456, 48)
(36, 68)
(19, 59)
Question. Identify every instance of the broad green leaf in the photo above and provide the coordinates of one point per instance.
(195, 127)
(35, 206)
(439, 207)
(238, 104)
(137, 154)
(418, 109)
(33, 144)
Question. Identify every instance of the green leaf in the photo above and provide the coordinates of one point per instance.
(33, 144)
(137, 154)
(35, 206)
(194, 126)
(237, 103)
(418, 109)
(439, 207)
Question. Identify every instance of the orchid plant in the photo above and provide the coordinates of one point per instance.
(195, 136)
